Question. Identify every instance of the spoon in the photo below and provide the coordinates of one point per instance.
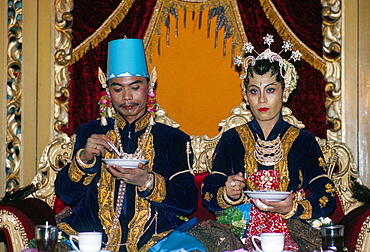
(114, 149)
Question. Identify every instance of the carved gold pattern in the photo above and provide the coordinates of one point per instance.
(363, 240)
(14, 95)
(54, 157)
(332, 49)
(16, 231)
(344, 171)
(62, 59)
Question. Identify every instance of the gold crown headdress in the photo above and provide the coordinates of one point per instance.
(290, 77)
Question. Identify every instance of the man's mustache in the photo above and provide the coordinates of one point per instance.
(128, 104)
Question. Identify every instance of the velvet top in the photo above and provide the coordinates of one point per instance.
(305, 167)
(90, 191)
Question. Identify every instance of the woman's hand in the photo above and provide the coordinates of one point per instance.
(95, 146)
(134, 176)
(282, 206)
(234, 186)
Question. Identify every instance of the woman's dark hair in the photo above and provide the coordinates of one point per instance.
(263, 66)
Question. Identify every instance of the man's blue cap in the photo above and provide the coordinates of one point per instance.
(126, 57)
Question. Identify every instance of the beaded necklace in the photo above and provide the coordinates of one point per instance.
(138, 154)
(268, 152)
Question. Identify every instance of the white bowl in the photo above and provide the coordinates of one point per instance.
(268, 195)
(125, 163)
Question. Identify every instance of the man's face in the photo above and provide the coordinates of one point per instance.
(129, 96)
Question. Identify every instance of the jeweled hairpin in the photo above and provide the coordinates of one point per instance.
(290, 77)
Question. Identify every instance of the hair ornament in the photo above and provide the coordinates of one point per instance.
(105, 103)
(290, 77)
(152, 102)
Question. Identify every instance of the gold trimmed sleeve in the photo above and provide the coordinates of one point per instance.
(159, 190)
(220, 198)
(75, 174)
(63, 226)
(307, 209)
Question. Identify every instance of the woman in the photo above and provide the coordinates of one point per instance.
(269, 154)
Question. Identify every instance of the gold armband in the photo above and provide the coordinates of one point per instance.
(82, 164)
(292, 212)
(147, 184)
(231, 202)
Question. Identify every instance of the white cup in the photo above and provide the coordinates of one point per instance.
(87, 241)
(270, 242)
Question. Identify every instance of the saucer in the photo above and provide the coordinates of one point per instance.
(268, 195)
(125, 163)
(102, 250)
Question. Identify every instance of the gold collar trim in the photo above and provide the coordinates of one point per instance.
(140, 124)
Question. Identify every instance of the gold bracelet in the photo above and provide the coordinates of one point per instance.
(147, 184)
(292, 212)
(81, 163)
(231, 202)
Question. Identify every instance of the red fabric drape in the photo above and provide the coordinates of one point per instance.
(303, 17)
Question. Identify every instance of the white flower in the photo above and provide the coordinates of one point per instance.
(316, 224)
(326, 221)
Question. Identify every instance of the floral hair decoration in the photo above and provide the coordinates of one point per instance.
(290, 77)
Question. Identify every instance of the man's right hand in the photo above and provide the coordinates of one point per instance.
(95, 146)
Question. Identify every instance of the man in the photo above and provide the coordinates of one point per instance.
(134, 208)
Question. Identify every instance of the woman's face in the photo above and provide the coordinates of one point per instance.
(265, 97)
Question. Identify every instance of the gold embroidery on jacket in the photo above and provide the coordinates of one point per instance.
(330, 189)
(151, 242)
(74, 172)
(322, 163)
(121, 123)
(159, 191)
(89, 178)
(138, 222)
(66, 228)
(300, 179)
(323, 201)
(139, 124)
(106, 189)
(250, 163)
(208, 196)
(142, 122)
(307, 209)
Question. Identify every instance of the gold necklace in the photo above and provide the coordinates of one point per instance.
(268, 152)
(138, 154)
